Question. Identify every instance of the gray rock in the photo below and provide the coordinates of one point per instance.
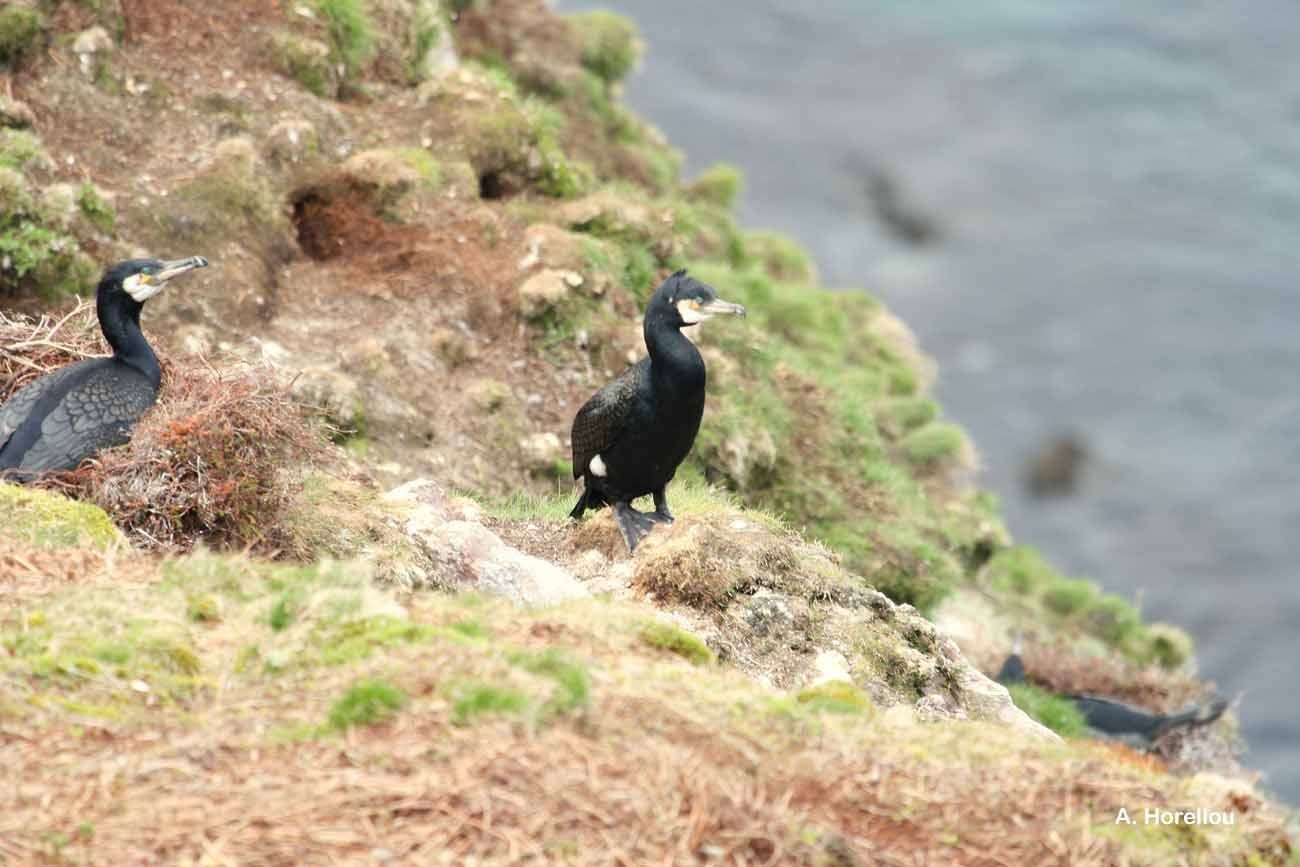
(462, 554)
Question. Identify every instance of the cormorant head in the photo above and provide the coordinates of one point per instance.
(141, 279)
(684, 301)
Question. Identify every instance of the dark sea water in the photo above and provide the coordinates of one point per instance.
(1116, 192)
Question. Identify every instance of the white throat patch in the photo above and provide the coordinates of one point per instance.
(690, 315)
(139, 289)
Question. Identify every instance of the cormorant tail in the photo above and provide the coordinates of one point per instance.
(581, 505)
(1194, 717)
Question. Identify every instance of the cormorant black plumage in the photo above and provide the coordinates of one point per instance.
(55, 422)
(630, 437)
(1120, 721)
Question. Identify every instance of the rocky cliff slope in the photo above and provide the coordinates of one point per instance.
(326, 606)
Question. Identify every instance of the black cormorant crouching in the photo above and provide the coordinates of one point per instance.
(55, 422)
(630, 437)
(1120, 721)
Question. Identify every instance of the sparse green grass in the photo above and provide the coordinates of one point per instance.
(1055, 712)
(351, 33)
(476, 699)
(366, 703)
(836, 696)
(308, 63)
(676, 640)
(572, 683)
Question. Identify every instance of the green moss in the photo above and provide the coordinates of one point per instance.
(676, 640)
(346, 641)
(934, 444)
(21, 28)
(1057, 713)
(836, 696)
(610, 48)
(426, 32)
(718, 185)
(51, 520)
(96, 208)
(365, 703)
(476, 699)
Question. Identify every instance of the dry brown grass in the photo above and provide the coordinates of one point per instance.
(211, 462)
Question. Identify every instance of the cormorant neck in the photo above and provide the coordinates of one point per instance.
(670, 350)
(119, 319)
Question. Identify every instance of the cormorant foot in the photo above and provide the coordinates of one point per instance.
(661, 516)
(634, 525)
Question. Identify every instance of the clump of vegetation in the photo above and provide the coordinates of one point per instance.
(207, 464)
(676, 640)
(351, 34)
(1057, 713)
(935, 445)
(1023, 575)
(22, 150)
(21, 28)
(308, 62)
(366, 703)
(718, 185)
(98, 210)
(609, 44)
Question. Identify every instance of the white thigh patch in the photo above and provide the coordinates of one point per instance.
(597, 467)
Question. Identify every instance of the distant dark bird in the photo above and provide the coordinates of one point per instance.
(1120, 721)
(55, 422)
(1055, 469)
(630, 437)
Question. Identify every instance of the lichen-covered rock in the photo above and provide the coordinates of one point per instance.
(542, 292)
(290, 142)
(92, 47)
(455, 553)
(541, 451)
(335, 395)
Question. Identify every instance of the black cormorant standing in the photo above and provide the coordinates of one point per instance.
(55, 422)
(1120, 721)
(630, 437)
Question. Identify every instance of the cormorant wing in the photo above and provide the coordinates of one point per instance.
(96, 413)
(601, 421)
(20, 404)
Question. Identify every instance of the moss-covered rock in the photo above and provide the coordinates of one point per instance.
(48, 519)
